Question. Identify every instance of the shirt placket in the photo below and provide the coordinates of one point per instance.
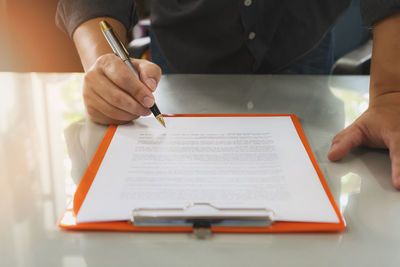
(250, 13)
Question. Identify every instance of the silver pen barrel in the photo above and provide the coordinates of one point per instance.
(114, 41)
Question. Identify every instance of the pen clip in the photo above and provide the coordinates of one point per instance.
(122, 45)
(113, 39)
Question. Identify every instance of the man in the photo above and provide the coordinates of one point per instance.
(247, 36)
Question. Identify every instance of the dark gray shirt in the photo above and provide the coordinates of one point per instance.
(229, 36)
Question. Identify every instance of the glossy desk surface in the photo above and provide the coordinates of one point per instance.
(42, 123)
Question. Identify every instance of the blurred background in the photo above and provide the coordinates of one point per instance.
(30, 40)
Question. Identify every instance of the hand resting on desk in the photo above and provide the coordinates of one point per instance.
(379, 126)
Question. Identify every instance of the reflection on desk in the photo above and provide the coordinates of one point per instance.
(38, 178)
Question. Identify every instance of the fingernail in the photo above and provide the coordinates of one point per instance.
(148, 101)
(151, 83)
(147, 113)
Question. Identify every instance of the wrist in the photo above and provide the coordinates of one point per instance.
(91, 43)
(385, 73)
(384, 99)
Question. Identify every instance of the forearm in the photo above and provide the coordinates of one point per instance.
(90, 42)
(385, 64)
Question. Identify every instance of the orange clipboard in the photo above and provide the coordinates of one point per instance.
(68, 221)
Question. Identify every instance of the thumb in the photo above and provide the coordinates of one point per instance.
(344, 141)
(149, 72)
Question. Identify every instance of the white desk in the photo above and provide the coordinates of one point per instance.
(37, 176)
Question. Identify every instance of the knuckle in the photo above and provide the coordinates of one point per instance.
(109, 67)
(104, 59)
(88, 77)
(157, 69)
(107, 63)
(88, 99)
(117, 99)
(100, 62)
(120, 77)
(85, 93)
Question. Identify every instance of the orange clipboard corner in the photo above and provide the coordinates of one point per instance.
(68, 219)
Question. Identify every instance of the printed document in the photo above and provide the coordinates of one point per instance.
(229, 162)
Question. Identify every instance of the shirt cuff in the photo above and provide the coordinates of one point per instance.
(72, 13)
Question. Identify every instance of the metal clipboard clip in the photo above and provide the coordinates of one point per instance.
(202, 216)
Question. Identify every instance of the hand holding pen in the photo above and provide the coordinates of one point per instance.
(121, 52)
(111, 92)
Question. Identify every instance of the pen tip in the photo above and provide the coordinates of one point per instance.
(161, 120)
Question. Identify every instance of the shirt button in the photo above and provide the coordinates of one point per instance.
(247, 2)
(252, 35)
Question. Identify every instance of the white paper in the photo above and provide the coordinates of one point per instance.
(230, 162)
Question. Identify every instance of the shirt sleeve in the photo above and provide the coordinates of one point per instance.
(71, 13)
(374, 10)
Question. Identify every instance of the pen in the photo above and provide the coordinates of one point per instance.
(120, 50)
